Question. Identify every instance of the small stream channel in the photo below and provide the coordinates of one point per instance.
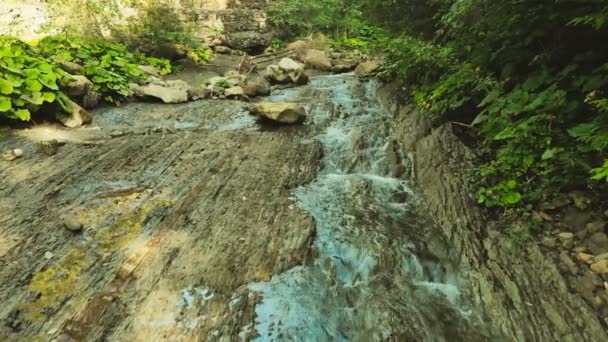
(372, 279)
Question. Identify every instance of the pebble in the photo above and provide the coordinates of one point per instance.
(606, 213)
(584, 257)
(600, 267)
(600, 257)
(580, 249)
(48, 255)
(18, 152)
(72, 225)
(566, 236)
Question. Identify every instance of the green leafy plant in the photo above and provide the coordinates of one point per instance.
(109, 65)
(159, 31)
(503, 194)
(27, 81)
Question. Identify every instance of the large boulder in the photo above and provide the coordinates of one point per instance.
(175, 91)
(316, 59)
(281, 112)
(287, 71)
(77, 116)
(366, 68)
(288, 65)
(79, 88)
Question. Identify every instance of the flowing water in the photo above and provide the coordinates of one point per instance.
(369, 280)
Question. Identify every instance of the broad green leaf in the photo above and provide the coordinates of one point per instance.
(506, 133)
(551, 152)
(34, 98)
(23, 114)
(511, 198)
(33, 85)
(6, 86)
(5, 104)
(49, 81)
(48, 97)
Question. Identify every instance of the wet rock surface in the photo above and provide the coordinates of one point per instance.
(538, 291)
(182, 204)
(201, 224)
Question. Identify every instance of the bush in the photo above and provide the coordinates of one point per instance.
(109, 65)
(30, 76)
(531, 76)
(158, 31)
(27, 80)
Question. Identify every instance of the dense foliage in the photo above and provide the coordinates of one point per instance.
(27, 80)
(529, 77)
(109, 65)
(342, 20)
(31, 75)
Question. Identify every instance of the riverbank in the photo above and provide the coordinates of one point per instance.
(529, 291)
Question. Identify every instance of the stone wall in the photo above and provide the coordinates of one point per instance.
(528, 292)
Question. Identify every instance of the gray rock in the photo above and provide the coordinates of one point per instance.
(234, 92)
(366, 68)
(281, 112)
(256, 89)
(175, 91)
(288, 64)
(72, 224)
(78, 86)
(287, 71)
(76, 118)
(566, 236)
(317, 59)
(199, 93)
(70, 67)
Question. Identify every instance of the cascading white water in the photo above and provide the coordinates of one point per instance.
(367, 283)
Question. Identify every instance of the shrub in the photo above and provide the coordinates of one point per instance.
(27, 81)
